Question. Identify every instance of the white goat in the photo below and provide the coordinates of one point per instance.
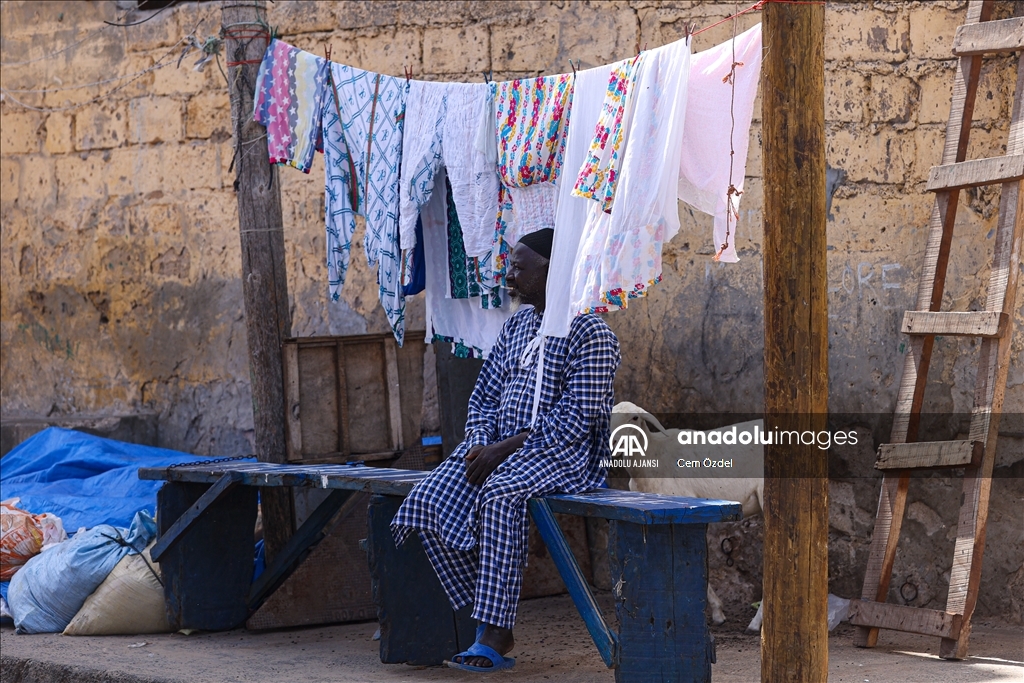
(746, 487)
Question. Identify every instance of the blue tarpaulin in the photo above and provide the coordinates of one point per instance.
(83, 479)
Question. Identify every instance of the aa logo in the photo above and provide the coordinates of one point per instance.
(628, 441)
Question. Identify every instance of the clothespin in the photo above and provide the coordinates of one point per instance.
(327, 52)
(689, 29)
(408, 73)
(574, 66)
(488, 75)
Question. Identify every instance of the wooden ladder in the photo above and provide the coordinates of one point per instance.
(994, 325)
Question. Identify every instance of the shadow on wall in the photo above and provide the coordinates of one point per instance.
(62, 339)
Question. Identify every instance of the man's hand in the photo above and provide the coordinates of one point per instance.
(482, 460)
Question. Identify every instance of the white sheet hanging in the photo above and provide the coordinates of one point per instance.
(443, 122)
(704, 168)
(620, 255)
(461, 321)
(571, 212)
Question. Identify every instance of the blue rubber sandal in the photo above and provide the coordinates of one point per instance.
(480, 650)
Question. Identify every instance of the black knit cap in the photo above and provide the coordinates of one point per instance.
(539, 241)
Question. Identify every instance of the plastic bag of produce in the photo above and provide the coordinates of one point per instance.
(47, 592)
(24, 535)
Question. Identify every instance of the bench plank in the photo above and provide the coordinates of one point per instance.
(354, 477)
(625, 506)
(644, 508)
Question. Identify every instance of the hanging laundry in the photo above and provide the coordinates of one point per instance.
(532, 117)
(465, 323)
(442, 124)
(589, 92)
(620, 253)
(460, 285)
(599, 173)
(363, 151)
(481, 241)
(290, 90)
(341, 198)
(417, 268)
(504, 144)
(704, 170)
(464, 270)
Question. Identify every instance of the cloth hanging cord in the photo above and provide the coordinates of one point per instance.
(246, 31)
(731, 190)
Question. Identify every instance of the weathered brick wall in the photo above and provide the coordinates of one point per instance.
(120, 256)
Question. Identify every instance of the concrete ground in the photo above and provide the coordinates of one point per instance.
(552, 645)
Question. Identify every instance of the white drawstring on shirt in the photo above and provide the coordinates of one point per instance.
(535, 347)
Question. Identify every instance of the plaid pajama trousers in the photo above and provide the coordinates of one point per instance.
(490, 574)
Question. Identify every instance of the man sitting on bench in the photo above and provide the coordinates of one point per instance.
(522, 440)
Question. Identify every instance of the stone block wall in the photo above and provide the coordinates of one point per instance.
(120, 256)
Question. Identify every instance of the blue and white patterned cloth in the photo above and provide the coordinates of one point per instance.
(477, 536)
(363, 138)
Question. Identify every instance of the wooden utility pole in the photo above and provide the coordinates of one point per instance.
(264, 280)
(794, 635)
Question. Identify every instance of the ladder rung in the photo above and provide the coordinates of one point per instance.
(928, 455)
(977, 172)
(956, 323)
(1004, 35)
(928, 622)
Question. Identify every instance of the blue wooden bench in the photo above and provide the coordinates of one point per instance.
(657, 544)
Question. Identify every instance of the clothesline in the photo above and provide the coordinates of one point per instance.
(467, 168)
(757, 7)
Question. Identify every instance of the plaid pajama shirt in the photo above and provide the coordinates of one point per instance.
(476, 536)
